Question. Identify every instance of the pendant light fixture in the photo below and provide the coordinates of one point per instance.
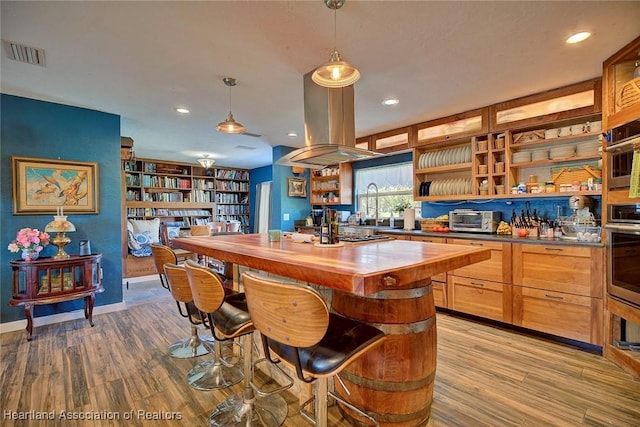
(335, 73)
(206, 162)
(230, 125)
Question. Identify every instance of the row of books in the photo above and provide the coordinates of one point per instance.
(166, 182)
(135, 212)
(232, 186)
(232, 174)
(231, 209)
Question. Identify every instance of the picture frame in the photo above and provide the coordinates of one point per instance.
(44, 186)
(297, 187)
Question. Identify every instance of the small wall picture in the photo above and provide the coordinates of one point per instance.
(297, 187)
(41, 186)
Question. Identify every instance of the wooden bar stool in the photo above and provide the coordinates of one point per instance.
(194, 345)
(228, 318)
(297, 327)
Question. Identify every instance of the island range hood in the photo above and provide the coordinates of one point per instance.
(329, 127)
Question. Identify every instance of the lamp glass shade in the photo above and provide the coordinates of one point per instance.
(59, 225)
(335, 73)
(230, 125)
(206, 162)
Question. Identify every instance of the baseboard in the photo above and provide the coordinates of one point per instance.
(60, 317)
(139, 279)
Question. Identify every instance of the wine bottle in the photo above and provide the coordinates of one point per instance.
(335, 228)
(325, 228)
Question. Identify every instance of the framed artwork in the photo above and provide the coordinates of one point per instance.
(297, 187)
(43, 186)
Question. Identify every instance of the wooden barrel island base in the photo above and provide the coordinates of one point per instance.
(387, 284)
(393, 382)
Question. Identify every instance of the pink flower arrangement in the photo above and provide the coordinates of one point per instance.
(29, 238)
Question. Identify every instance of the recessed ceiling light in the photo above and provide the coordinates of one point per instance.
(183, 110)
(578, 37)
(390, 102)
(292, 134)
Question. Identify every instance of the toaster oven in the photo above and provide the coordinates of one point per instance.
(468, 220)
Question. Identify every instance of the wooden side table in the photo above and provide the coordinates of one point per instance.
(49, 281)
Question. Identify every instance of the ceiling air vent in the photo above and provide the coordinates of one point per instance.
(245, 147)
(22, 53)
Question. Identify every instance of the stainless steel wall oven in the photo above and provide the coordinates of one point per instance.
(621, 141)
(623, 247)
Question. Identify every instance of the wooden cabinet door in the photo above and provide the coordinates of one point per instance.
(439, 294)
(570, 269)
(480, 297)
(497, 268)
(566, 315)
(442, 277)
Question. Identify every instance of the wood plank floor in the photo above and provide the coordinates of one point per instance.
(486, 376)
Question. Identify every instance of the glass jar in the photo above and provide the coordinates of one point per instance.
(550, 187)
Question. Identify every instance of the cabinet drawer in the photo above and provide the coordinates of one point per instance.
(442, 277)
(569, 316)
(439, 293)
(497, 268)
(480, 297)
(574, 270)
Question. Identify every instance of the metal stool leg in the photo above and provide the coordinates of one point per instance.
(193, 346)
(249, 410)
(214, 374)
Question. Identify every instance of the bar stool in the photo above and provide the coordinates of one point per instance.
(194, 345)
(229, 319)
(296, 326)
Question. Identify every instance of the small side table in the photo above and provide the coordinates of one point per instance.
(49, 281)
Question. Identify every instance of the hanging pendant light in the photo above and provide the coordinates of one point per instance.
(206, 162)
(230, 125)
(336, 72)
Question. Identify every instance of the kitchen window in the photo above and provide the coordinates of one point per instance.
(394, 184)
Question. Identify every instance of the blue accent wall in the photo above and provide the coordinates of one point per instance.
(257, 176)
(39, 129)
(298, 208)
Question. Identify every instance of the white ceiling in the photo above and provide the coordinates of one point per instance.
(142, 59)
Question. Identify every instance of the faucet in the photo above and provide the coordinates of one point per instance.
(375, 187)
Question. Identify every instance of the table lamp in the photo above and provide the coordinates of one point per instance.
(60, 225)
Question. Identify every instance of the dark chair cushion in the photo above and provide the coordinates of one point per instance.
(232, 315)
(344, 338)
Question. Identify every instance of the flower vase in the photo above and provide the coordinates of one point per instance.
(30, 255)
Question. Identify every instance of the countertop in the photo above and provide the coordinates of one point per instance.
(489, 237)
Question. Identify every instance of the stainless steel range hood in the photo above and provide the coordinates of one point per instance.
(329, 127)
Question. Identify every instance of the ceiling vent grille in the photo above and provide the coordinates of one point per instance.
(23, 53)
(245, 147)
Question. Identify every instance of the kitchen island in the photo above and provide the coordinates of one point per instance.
(387, 284)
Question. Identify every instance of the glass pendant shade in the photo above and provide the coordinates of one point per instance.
(206, 162)
(335, 73)
(230, 125)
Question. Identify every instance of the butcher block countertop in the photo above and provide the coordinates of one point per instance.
(359, 269)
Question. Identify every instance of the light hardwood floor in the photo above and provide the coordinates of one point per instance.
(486, 376)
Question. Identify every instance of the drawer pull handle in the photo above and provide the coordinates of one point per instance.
(477, 284)
(476, 244)
(553, 249)
(553, 297)
(389, 281)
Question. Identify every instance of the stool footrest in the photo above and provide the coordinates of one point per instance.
(262, 392)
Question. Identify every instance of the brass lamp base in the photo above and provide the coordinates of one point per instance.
(61, 240)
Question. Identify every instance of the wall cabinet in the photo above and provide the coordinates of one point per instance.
(553, 135)
(332, 185)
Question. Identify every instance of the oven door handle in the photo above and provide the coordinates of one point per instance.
(623, 145)
(621, 227)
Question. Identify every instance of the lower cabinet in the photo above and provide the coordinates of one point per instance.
(558, 289)
(439, 294)
(566, 315)
(483, 298)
